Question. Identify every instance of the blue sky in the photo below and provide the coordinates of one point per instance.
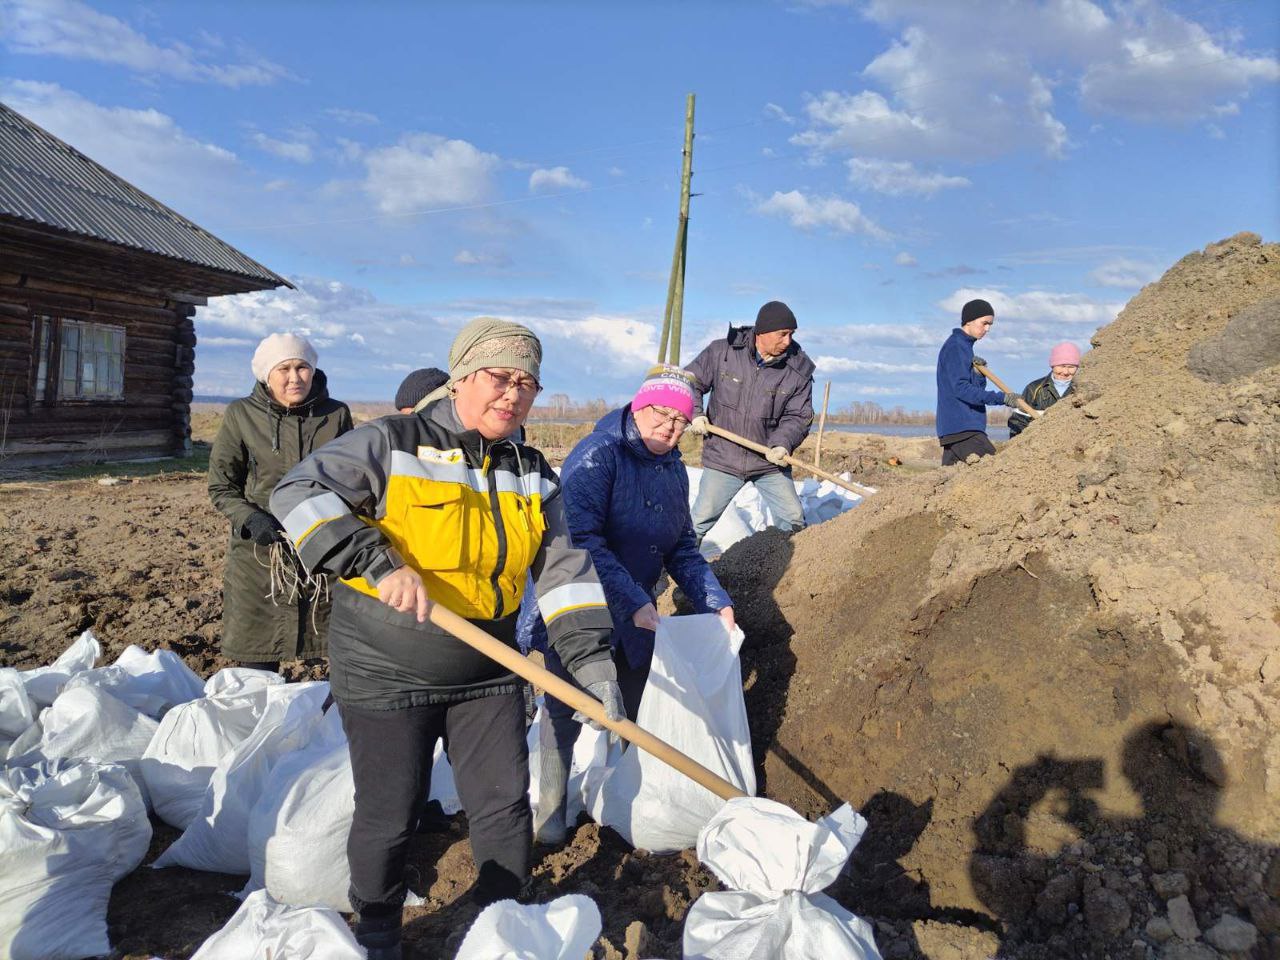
(874, 164)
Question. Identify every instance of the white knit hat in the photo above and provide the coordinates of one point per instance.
(276, 349)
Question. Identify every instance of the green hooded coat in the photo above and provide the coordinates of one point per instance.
(258, 443)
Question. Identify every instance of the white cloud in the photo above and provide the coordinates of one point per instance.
(72, 29)
(834, 365)
(905, 259)
(899, 177)
(294, 150)
(809, 213)
(145, 147)
(1036, 306)
(1125, 273)
(353, 118)
(424, 171)
(554, 179)
(473, 258)
(775, 112)
(930, 96)
(617, 341)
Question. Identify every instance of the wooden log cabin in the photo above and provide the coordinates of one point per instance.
(98, 287)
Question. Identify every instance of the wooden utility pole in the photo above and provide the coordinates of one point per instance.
(669, 345)
(822, 425)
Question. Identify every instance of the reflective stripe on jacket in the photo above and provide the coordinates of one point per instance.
(473, 518)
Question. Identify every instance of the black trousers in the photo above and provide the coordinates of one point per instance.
(391, 764)
(959, 451)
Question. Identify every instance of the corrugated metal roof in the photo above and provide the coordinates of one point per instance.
(46, 181)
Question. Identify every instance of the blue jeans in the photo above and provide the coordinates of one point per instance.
(718, 489)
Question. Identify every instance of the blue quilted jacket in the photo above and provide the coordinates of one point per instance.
(630, 509)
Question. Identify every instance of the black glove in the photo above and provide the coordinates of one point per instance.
(262, 528)
(1011, 400)
(979, 362)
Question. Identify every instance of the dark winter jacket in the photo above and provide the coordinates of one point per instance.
(630, 509)
(1041, 395)
(963, 396)
(770, 403)
(473, 518)
(258, 443)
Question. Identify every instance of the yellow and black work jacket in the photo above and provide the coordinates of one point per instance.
(474, 518)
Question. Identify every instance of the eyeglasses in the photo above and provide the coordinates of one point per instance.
(666, 415)
(525, 387)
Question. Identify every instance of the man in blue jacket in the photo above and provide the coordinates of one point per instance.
(963, 396)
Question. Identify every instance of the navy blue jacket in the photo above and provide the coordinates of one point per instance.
(629, 509)
(963, 396)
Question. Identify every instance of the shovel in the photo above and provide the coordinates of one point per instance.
(1023, 406)
(761, 449)
(588, 705)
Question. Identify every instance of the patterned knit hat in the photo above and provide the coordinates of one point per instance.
(490, 342)
(666, 386)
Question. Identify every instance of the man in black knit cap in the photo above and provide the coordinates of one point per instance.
(761, 386)
(963, 396)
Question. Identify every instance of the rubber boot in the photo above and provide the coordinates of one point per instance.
(380, 936)
(555, 751)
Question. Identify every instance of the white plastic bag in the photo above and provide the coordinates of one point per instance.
(265, 930)
(298, 828)
(45, 683)
(149, 682)
(194, 736)
(217, 839)
(564, 929)
(90, 724)
(68, 831)
(775, 864)
(693, 701)
(17, 712)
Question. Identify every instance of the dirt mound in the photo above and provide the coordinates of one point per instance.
(1053, 677)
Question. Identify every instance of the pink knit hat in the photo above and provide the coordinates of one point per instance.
(1064, 353)
(666, 386)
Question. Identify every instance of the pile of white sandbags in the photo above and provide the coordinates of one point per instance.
(264, 928)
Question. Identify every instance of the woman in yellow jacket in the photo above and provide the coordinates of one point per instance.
(443, 506)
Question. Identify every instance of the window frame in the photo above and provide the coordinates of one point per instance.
(52, 391)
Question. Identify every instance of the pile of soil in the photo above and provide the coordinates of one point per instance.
(1052, 677)
(1049, 680)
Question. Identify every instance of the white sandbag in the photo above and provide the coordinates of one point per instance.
(26, 748)
(298, 828)
(194, 736)
(263, 929)
(87, 723)
(45, 683)
(693, 701)
(775, 864)
(217, 839)
(148, 682)
(68, 831)
(564, 929)
(17, 711)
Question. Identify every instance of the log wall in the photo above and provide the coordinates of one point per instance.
(153, 418)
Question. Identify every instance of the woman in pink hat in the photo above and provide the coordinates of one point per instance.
(1064, 360)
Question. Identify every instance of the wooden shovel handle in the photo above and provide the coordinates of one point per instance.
(761, 449)
(1025, 407)
(566, 693)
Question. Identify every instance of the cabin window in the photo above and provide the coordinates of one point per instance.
(78, 360)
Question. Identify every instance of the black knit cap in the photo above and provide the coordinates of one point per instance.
(417, 385)
(775, 315)
(975, 310)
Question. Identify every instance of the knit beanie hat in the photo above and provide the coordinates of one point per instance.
(773, 316)
(975, 310)
(1064, 353)
(666, 386)
(417, 385)
(276, 349)
(490, 342)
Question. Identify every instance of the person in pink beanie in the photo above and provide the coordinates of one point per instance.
(1064, 361)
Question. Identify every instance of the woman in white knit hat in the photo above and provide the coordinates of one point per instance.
(288, 415)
